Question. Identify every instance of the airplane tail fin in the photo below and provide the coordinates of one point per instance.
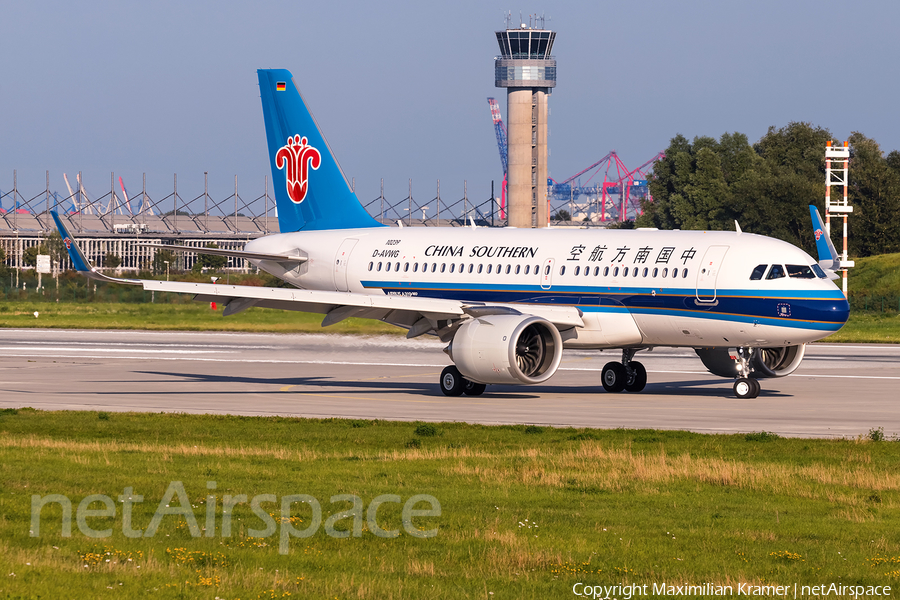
(828, 256)
(311, 192)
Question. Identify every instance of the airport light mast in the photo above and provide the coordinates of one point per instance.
(838, 176)
(527, 70)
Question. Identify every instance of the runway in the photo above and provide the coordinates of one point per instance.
(838, 391)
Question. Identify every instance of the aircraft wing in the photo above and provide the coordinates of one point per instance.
(419, 315)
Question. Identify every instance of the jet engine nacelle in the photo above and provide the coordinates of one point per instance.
(510, 349)
(766, 362)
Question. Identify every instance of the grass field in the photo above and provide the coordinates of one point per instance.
(862, 327)
(526, 512)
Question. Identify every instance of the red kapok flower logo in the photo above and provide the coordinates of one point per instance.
(296, 158)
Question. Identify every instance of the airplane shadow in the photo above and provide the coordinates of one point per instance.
(698, 388)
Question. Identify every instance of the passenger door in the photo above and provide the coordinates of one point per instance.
(341, 261)
(709, 272)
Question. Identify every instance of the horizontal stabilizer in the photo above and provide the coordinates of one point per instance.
(283, 258)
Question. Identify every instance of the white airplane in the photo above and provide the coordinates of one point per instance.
(508, 301)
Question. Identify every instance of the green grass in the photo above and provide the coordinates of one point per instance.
(175, 317)
(526, 512)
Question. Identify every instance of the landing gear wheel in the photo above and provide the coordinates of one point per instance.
(470, 388)
(637, 379)
(756, 387)
(614, 377)
(452, 382)
(746, 388)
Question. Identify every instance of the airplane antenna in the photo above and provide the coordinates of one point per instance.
(737, 227)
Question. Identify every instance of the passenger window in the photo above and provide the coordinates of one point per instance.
(434, 267)
(674, 273)
(616, 272)
(471, 267)
(387, 266)
(452, 267)
(684, 273)
(480, 267)
(379, 266)
(405, 267)
(371, 265)
(527, 269)
(443, 267)
(776, 272)
(415, 267)
(800, 272)
(562, 270)
(518, 268)
(665, 272)
(587, 271)
(819, 272)
(461, 267)
(655, 271)
(397, 267)
(577, 270)
(605, 271)
(499, 268)
(508, 267)
(489, 269)
(758, 272)
(596, 271)
(646, 270)
(547, 270)
(537, 269)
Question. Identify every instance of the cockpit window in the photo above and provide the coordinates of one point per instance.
(819, 272)
(758, 272)
(776, 272)
(800, 272)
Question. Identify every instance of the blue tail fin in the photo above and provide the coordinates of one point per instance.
(828, 256)
(311, 191)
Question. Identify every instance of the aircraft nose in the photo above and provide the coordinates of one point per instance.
(836, 311)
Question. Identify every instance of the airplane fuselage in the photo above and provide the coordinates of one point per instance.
(635, 288)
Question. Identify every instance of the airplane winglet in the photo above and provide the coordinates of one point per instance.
(79, 261)
(828, 256)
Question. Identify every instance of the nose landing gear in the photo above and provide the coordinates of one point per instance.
(744, 386)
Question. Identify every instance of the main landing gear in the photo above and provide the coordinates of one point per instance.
(745, 386)
(628, 375)
(454, 384)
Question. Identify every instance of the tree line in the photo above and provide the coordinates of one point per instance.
(767, 186)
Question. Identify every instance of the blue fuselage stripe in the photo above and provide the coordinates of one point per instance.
(806, 309)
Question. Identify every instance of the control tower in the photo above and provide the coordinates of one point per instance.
(527, 70)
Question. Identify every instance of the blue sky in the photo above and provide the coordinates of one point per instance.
(400, 87)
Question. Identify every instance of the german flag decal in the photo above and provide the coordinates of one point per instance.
(280, 86)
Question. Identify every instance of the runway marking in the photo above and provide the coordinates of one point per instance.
(13, 349)
(139, 344)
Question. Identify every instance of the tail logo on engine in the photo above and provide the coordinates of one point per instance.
(296, 158)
